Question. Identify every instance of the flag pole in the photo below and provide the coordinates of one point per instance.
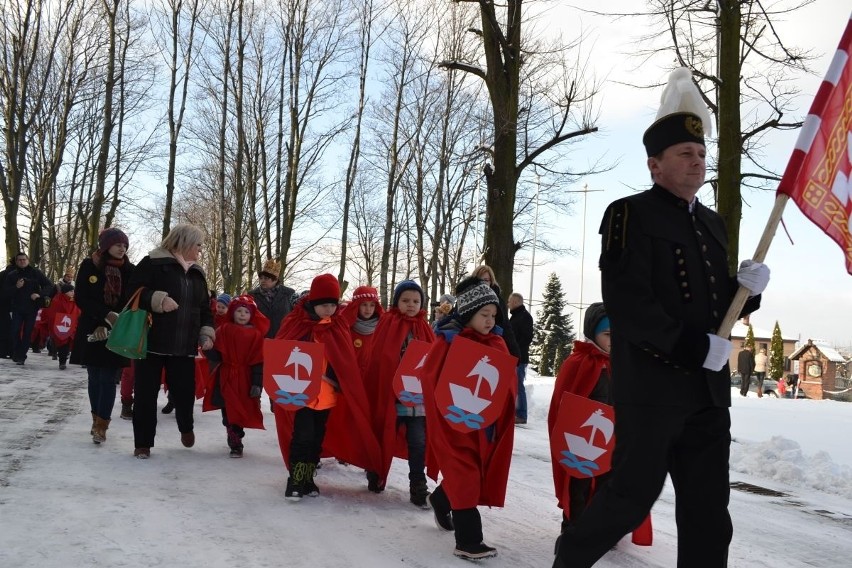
(759, 254)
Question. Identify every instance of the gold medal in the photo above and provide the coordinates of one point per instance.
(93, 279)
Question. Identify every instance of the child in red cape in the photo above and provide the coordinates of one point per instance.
(220, 309)
(62, 303)
(337, 423)
(586, 373)
(474, 465)
(400, 429)
(236, 383)
(363, 314)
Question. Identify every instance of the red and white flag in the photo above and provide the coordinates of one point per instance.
(819, 174)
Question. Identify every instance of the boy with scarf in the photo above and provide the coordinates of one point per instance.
(337, 422)
(236, 383)
(474, 465)
(403, 322)
(585, 373)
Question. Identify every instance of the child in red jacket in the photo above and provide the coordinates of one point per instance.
(475, 464)
(61, 330)
(236, 383)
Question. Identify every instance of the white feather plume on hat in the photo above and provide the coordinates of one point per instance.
(681, 95)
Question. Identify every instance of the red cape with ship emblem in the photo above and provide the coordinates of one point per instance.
(292, 372)
(582, 440)
(577, 378)
(393, 330)
(348, 435)
(241, 347)
(474, 464)
(407, 384)
(62, 316)
(474, 383)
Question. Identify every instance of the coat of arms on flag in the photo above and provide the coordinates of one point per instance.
(474, 384)
(583, 436)
(406, 379)
(64, 326)
(292, 371)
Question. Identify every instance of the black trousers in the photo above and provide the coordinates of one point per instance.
(308, 434)
(693, 447)
(180, 376)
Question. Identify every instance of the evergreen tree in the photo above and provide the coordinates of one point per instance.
(749, 339)
(554, 331)
(776, 354)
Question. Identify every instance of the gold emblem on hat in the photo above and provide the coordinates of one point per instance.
(93, 279)
(694, 126)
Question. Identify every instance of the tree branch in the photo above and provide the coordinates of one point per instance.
(466, 67)
(550, 144)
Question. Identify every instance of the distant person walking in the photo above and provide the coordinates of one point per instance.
(760, 370)
(26, 286)
(273, 299)
(745, 367)
(521, 323)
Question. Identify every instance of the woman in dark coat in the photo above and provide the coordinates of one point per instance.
(175, 293)
(101, 289)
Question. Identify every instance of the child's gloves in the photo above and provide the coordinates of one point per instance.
(255, 391)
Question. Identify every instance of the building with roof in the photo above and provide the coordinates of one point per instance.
(822, 371)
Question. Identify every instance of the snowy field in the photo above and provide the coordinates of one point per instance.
(65, 502)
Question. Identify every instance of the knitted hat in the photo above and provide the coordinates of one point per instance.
(111, 236)
(683, 115)
(595, 314)
(325, 289)
(271, 268)
(447, 298)
(244, 301)
(471, 294)
(65, 288)
(223, 298)
(404, 286)
(365, 294)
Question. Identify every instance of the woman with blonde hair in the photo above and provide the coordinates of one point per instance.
(174, 291)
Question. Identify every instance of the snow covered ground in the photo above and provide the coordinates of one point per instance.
(65, 502)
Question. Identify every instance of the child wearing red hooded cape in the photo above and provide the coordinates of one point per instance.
(62, 303)
(363, 314)
(474, 465)
(586, 373)
(337, 423)
(400, 429)
(235, 382)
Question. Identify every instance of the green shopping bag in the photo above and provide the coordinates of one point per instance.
(129, 335)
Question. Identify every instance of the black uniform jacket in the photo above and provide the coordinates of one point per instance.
(89, 296)
(177, 332)
(665, 284)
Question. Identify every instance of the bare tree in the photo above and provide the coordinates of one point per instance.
(505, 56)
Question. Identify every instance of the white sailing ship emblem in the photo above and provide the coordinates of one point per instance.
(582, 452)
(64, 325)
(411, 385)
(467, 404)
(290, 387)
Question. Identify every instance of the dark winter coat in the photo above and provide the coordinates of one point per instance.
(178, 332)
(665, 284)
(89, 296)
(745, 362)
(502, 320)
(521, 323)
(274, 309)
(35, 282)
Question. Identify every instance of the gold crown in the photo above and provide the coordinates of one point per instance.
(273, 267)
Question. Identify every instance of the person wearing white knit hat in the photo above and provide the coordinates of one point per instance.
(666, 286)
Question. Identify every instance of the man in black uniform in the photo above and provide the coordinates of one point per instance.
(666, 287)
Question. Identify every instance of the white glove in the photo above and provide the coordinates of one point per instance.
(754, 276)
(717, 355)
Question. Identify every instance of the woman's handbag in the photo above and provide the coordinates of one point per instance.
(129, 335)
